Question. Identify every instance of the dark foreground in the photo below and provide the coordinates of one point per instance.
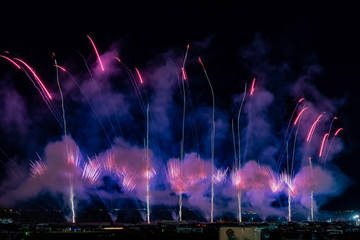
(180, 230)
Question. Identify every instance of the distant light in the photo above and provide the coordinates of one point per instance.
(356, 216)
(113, 228)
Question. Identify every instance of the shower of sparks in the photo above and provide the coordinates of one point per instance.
(38, 168)
(92, 170)
(220, 176)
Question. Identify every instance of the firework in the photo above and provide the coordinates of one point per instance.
(96, 51)
(299, 115)
(43, 88)
(60, 67)
(212, 143)
(322, 144)
(38, 168)
(252, 89)
(139, 75)
(12, 61)
(129, 181)
(174, 174)
(287, 180)
(337, 131)
(188, 174)
(220, 176)
(92, 170)
(275, 183)
(312, 129)
(237, 180)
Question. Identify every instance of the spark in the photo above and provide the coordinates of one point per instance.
(322, 144)
(109, 163)
(174, 174)
(301, 112)
(149, 173)
(275, 183)
(287, 180)
(139, 75)
(252, 87)
(184, 73)
(237, 180)
(313, 128)
(74, 156)
(301, 99)
(92, 170)
(12, 61)
(96, 51)
(337, 132)
(60, 67)
(38, 168)
(36, 77)
(220, 176)
(331, 142)
(129, 181)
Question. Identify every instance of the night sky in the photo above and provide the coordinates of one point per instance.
(276, 41)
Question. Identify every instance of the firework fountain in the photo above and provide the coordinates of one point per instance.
(239, 144)
(72, 204)
(147, 167)
(184, 78)
(212, 143)
(311, 195)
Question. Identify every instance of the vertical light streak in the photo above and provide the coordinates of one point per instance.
(233, 136)
(238, 124)
(62, 99)
(148, 166)
(239, 144)
(212, 143)
(312, 193)
(289, 205)
(72, 198)
(183, 125)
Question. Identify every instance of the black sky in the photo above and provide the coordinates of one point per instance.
(328, 31)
